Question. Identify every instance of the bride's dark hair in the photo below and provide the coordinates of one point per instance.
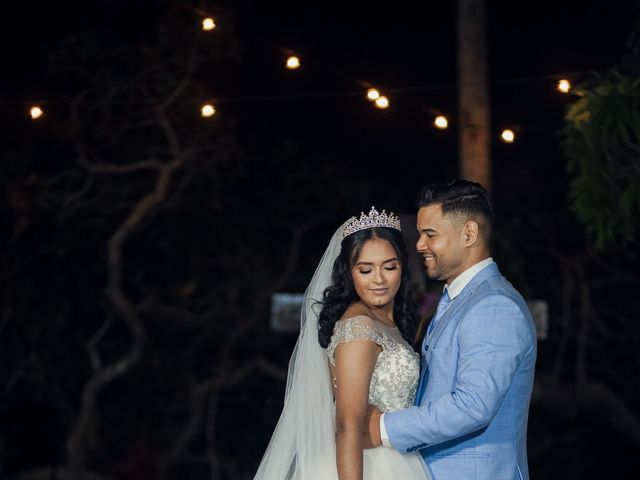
(339, 295)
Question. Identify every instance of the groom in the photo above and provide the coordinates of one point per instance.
(478, 356)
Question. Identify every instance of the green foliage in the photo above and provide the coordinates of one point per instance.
(601, 142)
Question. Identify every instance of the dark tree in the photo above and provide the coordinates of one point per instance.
(144, 245)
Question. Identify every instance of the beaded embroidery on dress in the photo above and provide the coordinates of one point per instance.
(393, 387)
(395, 376)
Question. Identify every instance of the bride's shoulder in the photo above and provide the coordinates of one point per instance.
(355, 325)
(356, 314)
(355, 309)
(356, 321)
(350, 328)
(357, 318)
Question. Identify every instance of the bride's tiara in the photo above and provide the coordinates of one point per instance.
(373, 220)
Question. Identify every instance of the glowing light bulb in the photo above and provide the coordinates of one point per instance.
(508, 136)
(208, 24)
(35, 112)
(373, 94)
(293, 62)
(441, 122)
(564, 85)
(382, 102)
(208, 110)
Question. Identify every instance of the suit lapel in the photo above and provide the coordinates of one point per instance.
(431, 339)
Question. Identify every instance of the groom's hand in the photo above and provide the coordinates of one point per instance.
(372, 425)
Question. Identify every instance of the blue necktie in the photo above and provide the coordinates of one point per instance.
(443, 303)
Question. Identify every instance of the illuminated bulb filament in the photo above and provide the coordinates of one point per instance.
(208, 24)
(508, 136)
(293, 62)
(35, 112)
(564, 86)
(382, 102)
(208, 110)
(373, 94)
(441, 122)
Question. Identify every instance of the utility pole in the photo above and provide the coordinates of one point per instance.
(474, 123)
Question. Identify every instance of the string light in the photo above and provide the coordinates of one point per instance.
(35, 112)
(207, 110)
(373, 94)
(564, 85)
(293, 62)
(382, 102)
(507, 135)
(208, 24)
(441, 122)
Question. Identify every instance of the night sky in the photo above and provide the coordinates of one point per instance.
(405, 48)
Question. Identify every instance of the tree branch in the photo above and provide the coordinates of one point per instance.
(76, 443)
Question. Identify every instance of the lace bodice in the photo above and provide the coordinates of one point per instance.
(395, 376)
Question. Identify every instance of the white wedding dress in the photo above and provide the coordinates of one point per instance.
(303, 445)
(393, 387)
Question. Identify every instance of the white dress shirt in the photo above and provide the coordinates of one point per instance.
(456, 287)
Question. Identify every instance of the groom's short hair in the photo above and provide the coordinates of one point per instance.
(463, 198)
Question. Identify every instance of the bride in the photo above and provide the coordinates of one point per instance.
(357, 321)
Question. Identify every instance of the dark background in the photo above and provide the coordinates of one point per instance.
(153, 357)
(404, 46)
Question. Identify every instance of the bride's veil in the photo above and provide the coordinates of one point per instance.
(303, 444)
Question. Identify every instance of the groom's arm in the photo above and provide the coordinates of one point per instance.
(372, 435)
(375, 434)
(493, 337)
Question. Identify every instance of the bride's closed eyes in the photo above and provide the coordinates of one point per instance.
(394, 267)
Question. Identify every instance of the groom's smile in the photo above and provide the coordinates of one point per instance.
(428, 258)
(440, 243)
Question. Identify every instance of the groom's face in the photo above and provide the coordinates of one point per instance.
(440, 243)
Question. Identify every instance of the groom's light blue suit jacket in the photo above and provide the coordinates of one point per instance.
(470, 418)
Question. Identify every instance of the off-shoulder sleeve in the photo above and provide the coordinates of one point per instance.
(350, 329)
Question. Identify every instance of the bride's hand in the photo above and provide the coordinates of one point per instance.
(372, 433)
